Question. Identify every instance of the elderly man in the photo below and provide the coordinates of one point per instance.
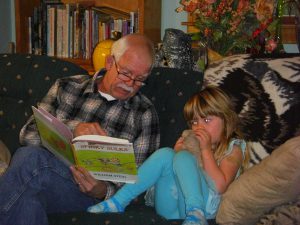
(37, 183)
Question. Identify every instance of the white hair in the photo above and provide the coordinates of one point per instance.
(120, 46)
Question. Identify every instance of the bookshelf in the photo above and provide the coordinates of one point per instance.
(149, 20)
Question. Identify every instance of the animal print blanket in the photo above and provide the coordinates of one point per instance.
(266, 94)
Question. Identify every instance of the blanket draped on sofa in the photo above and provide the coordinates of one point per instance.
(266, 94)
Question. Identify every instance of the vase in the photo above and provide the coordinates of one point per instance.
(200, 56)
(176, 49)
(203, 56)
(213, 56)
(101, 50)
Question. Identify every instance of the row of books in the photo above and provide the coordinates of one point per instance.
(73, 31)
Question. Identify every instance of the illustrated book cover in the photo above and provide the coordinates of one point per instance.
(106, 158)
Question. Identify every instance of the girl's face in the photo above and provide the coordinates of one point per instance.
(213, 125)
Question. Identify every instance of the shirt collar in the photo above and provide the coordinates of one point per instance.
(92, 86)
(108, 97)
(98, 76)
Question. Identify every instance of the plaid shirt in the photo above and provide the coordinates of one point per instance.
(76, 99)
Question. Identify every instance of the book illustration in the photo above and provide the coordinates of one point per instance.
(52, 139)
(106, 162)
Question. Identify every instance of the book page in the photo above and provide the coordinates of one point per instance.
(54, 135)
(100, 139)
(111, 162)
(61, 127)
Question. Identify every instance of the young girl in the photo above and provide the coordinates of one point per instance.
(182, 188)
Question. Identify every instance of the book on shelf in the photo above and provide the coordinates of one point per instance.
(30, 35)
(51, 17)
(106, 158)
(73, 30)
(35, 29)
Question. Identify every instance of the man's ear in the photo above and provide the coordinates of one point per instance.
(109, 62)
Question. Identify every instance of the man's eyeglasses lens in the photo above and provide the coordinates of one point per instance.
(126, 78)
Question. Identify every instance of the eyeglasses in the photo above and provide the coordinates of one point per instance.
(126, 77)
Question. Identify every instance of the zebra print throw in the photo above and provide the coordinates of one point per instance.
(266, 93)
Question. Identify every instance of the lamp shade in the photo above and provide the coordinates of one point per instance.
(101, 50)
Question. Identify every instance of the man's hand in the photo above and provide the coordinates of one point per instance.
(87, 184)
(89, 128)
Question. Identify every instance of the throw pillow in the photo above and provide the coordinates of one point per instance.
(273, 182)
(288, 214)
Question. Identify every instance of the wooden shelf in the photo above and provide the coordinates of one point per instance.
(23, 9)
(86, 64)
(149, 22)
(289, 29)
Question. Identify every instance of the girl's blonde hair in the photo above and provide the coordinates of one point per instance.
(212, 101)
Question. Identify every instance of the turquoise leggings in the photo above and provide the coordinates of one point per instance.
(180, 184)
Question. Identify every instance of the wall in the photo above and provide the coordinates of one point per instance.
(170, 18)
(7, 19)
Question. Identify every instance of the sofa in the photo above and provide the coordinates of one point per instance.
(266, 94)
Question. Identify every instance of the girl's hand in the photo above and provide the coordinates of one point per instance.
(204, 138)
(178, 144)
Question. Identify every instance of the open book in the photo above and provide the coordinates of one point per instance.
(106, 158)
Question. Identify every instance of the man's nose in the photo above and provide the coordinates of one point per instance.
(130, 82)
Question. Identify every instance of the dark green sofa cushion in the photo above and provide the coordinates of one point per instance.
(24, 80)
(169, 89)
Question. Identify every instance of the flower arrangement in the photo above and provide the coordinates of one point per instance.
(235, 26)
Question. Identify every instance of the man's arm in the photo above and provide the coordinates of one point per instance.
(148, 139)
(29, 133)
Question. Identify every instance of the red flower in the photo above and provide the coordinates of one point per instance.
(271, 45)
(191, 7)
(210, 1)
(256, 32)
